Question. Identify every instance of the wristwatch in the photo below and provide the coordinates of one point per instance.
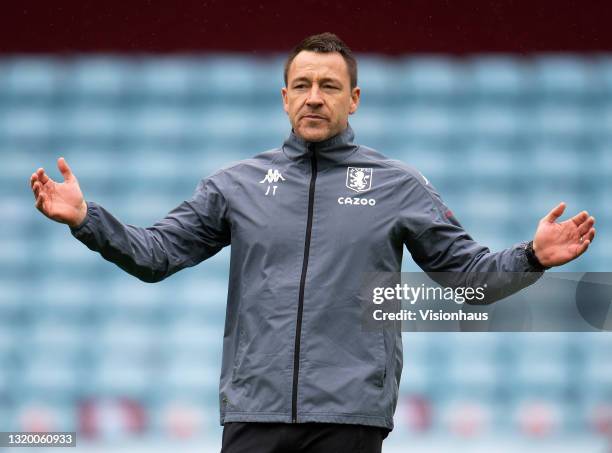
(532, 259)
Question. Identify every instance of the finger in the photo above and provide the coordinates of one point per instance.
(40, 200)
(36, 189)
(555, 213)
(582, 247)
(579, 218)
(591, 235)
(42, 176)
(64, 169)
(586, 226)
(33, 179)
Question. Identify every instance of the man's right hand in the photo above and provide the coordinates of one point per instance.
(62, 202)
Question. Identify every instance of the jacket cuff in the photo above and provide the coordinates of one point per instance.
(530, 260)
(76, 229)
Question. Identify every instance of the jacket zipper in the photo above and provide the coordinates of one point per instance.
(298, 325)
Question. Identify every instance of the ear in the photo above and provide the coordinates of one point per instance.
(355, 97)
(285, 101)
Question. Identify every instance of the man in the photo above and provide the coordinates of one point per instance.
(305, 221)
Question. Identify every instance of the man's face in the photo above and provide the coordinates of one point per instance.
(318, 96)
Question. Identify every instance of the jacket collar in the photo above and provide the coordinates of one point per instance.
(334, 149)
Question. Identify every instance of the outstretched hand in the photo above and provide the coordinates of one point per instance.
(62, 202)
(558, 243)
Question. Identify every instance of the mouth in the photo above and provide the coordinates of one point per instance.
(312, 116)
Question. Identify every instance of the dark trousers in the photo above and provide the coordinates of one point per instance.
(244, 437)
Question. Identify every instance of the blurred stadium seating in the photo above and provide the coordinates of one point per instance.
(504, 139)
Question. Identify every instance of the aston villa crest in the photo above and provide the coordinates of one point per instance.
(359, 179)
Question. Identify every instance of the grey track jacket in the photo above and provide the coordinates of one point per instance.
(305, 221)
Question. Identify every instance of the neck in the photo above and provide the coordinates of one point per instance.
(332, 149)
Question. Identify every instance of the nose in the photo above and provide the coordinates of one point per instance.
(314, 97)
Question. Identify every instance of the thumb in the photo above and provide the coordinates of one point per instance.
(556, 212)
(63, 167)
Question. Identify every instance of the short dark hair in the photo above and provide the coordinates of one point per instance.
(325, 43)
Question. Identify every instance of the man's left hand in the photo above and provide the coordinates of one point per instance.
(555, 243)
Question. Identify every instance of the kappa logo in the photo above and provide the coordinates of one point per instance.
(272, 177)
(359, 179)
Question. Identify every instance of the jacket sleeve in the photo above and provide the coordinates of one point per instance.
(439, 244)
(192, 232)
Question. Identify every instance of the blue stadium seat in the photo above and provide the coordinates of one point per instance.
(97, 78)
(598, 363)
(495, 122)
(431, 78)
(541, 364)
(603, 66)
(200, 295)
(497, 77)
(91, 123)
(49, 374)
(165, 77)
(429, 124)
(27, 124)
(157, 123)
(191, 376)
(117, 376)
(226, 77)
(11, 335)
(564, 75)
(30, 78)
(563, 122)
(378, 80)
